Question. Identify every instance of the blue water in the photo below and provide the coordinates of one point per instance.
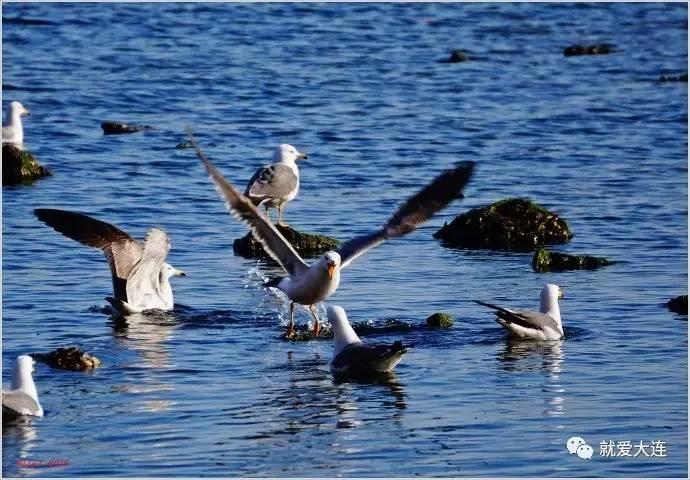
(211, 389)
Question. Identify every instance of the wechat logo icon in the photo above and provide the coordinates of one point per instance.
(578, 446)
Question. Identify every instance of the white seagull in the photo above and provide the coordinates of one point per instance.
(353, 357)
(140, 274)
(276, 184)
(13, 131)
(542, 325)
(22, 398)
(310, 284)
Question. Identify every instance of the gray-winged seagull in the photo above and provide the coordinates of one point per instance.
(13, 131)
(140, 274)
(352, 357)
(309, 284)
(542, 325)
(275, 185)
(22, 398)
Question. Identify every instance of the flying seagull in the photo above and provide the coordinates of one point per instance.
(22, 398)
(353, 357)
(13, 132)
(310, 284)
(276, 184)
(140, 274)
(542, 325)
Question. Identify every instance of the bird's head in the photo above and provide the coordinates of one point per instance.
(343, 332)
(171, 271)
(286, 153)
(19, 109)
(25, 363)
(330, 262)
(551, 292)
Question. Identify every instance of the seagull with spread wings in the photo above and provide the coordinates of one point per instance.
(309, 284)
(22, 398)
(141, 277)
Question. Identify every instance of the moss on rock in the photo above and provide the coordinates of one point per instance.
(678, 304)
(440, 320)
(545, 261)
(70, 358)
(514, 224)
(306, 244)
(116, 128)
(19, 166)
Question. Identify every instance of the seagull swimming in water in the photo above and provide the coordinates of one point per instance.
(310, 284)
(140, 274)
(542, 325)
(276, 184)
(353, 357)
(22, 398)
(13, 132)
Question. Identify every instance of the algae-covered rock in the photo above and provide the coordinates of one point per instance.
(601, 49)
(70, 358)
(184, 145)
(545, 261)
(678, 304)
(19, 166)
(456, 56)
(304, 334)
(674, 78)
(514, 224)
(306, 244)
(116, 128)
(440, 320)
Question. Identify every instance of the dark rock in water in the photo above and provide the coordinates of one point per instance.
(70, 358)
(545, 261)
(678, 304)
(440, 320)
(456, 56)
(514, 224)
(601, 49)
(674, 78)
(304, 334)
(114, 128)
(19, 166)
(306, 244)
(184, 145)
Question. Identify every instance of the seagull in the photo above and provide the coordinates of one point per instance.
(22, 399)
(140, 274)
(542, 325)
(13, 132)
(276, 184)
(353, 357)
(310, 284)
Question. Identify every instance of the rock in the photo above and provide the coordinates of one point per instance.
(306, 244)
(19, 166)
(304, 333)
(456, 56)
(114, 128)
(674, 78)
(440, 320)
(601, 49)
(184, 145)
(70, 358)
(515, 224)
(678, 304)
(545, 261)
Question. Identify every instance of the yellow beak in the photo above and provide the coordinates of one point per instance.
(331, 269)
(560, 294)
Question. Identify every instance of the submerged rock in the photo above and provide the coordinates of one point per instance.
(440, 320)
(601, 49)
(545, 261)
(306, 244)
(184, 145)
(514, 224)
(456, 56)
(70, 358)
(674, 78)
(115, 128)
(678, 304)
(19, 166)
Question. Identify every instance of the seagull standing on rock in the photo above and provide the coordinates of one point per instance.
(310, 284)
(140, 274)
(22, 398)
(13, 131)
(276, 184)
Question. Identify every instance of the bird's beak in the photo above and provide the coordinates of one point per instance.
(560, 294)
(180, 273)
(331, 269)
(27, 113)
(302, 156)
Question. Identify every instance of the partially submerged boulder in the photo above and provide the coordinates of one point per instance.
(440, 320)
(304, 333)
(306, 244)
(184, 145)
(678, 304)
(514, 224)
(70, 358)
(19, 166)
(456, 56)
(600, 49)
(674, 78)
(115, 128)
(545, 261)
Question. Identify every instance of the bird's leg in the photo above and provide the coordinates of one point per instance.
(291, 326)
(280, 215)
(317, 328)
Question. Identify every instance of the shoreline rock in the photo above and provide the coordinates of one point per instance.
(439, 320)
(70, 358)
(599, 49)
(306, 244)
(20, 166)
(118, 128)
(514, 224)
(678, 304)
(456, 56)
(674, 78)
(546, 261)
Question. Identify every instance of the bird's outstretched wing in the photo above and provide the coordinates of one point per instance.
(415, 211)
(263, 230)
(525, 318)
(121, 251)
